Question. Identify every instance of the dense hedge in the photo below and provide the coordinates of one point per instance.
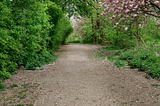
(29, 30)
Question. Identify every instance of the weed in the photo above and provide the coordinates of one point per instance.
(119, 63)
(20, 105)
(23, 91)
(124, 103)
(122, 87)
(21, 96)
(111, 58)
(12, 86)
(100, 55)
(2, 86)
(148, 77)
(155, 85)
(157, 95)
(29, 104)
(25, 85)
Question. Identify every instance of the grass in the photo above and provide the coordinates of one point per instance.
(155, 85)
(12, 86)
(100, 55)
(24, 95)
(25, 85)
(119, 63)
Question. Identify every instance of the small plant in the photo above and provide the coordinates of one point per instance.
(25, 85)
(29, 104)
(155, 85)
(100, 55)
(20, 105)
(12, 86)
(111, 58)
(157, 95)
(2, 86)
(148, 77)
(119, 63)
(21, 96)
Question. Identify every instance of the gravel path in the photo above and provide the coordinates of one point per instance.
(79, 79)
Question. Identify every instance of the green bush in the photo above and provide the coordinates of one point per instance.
(62, 26)
(29, 30)
(144, 59)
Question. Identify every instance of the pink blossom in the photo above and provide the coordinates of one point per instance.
(119, 15)
(110, 18)
(102, 13)
(105, 6)
(135, 15)
(126, 28)
(156, 2)
(120, 8)
(117, 23)
(113, 16)
(100, 5)
(106, 19)
(127, 10)
(145, 9)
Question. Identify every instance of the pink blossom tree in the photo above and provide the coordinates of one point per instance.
(126, 14)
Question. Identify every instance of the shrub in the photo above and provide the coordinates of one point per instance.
(144, 59)
(29, 30)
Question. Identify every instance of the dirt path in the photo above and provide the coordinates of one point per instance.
(78, 79)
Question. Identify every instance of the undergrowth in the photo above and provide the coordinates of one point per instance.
(144, 58)
(111, 48)
(75, 41)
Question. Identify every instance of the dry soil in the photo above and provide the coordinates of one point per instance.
(78, 78)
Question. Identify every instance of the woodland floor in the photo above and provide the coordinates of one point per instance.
(78, 78)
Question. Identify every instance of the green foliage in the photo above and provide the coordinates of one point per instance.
(119, 63)
(12, 86)
(151, 34)
(126, 56)
(111, 48)
(2, 86)
(155, 85)
(29, 30)
(111, 58)
(144, 59)
(87, 29)
(62, 26)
